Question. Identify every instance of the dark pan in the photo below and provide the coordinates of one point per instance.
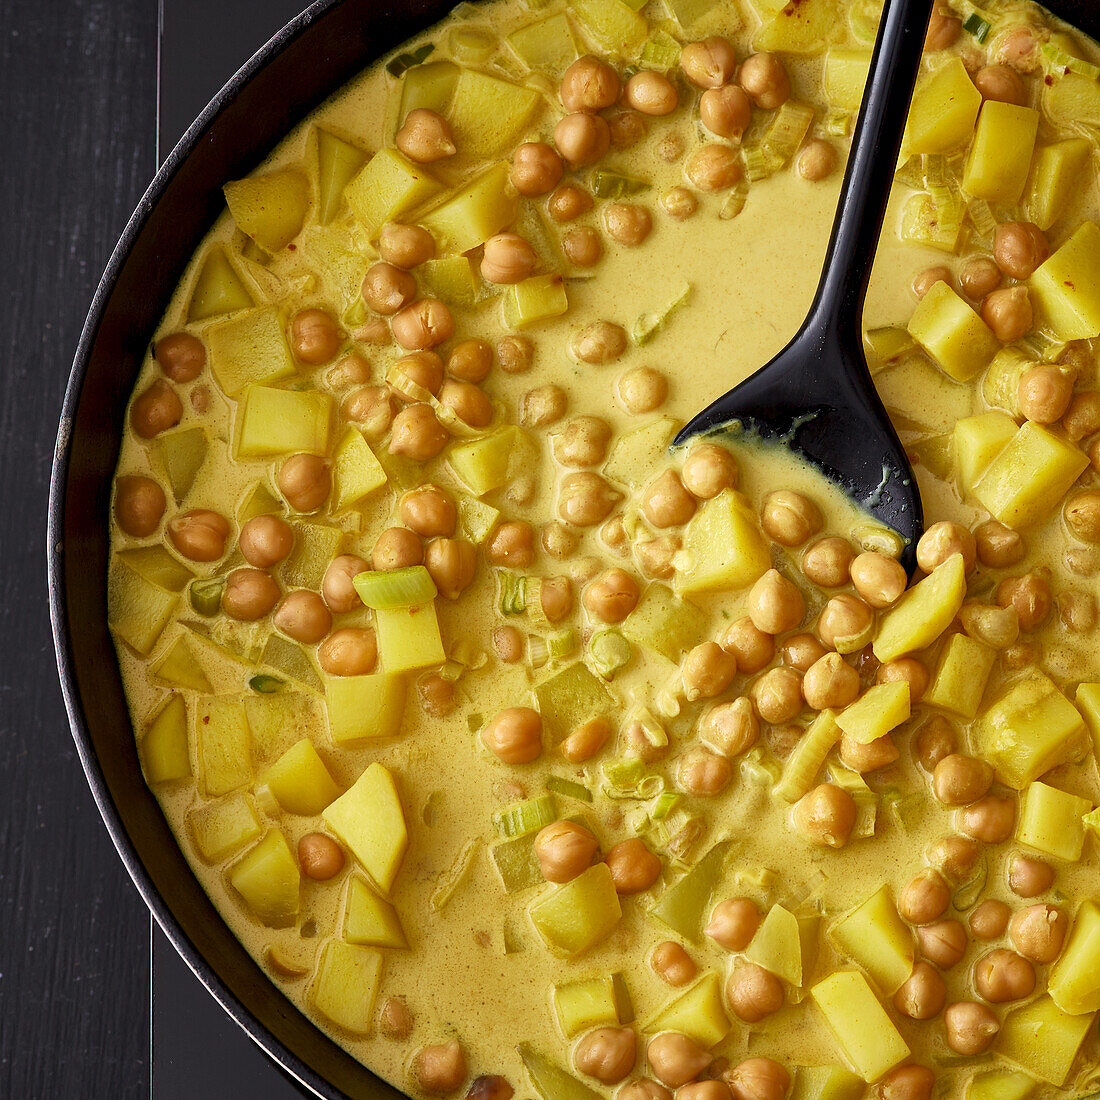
(308, 60)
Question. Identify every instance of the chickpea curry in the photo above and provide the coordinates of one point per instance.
(530, 759)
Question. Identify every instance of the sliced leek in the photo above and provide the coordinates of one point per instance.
(383, 589)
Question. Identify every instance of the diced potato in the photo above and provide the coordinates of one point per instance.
(1030, 729)
(639, 454)
(802, 28)
(952, 333)
(581, 1005)
(777, 946)
(808, 757)
(178, 667)
(689, 12)
(698, 1013)
(1087, 700)
(364, 707)
(315, 545)
(223, 745)
(540, 298)
(247, 349)
(223, 828)
(338, 162)
(1055, 176)
(181, 454)
(865, 1034)
(300, 781)
(923, 613)
(845, 77)
(876, 712)
(356, 472)
(944, 109)
(268, 879)
(157, 566)
(1074, 982)
(368, 818)
(1066, 289)
(547, 44)
(961, 676)
(277, 720)
(1043, 1039)
(1000, 1084)
(165, 757)
(575, 916)
(826, 1083)
(273, 422)
(1050, 821)
(1000, 156)
(428, 87)
(874, 936)
(369, 919)
(611, 25)
(218, 288)
(480, 209)
(271, 208)
(482, 464)
(346, 985)
(408, 637)
(665, 624)
(450, 279)
(476, 519)
(488, 115)
(723, 547)
(978, 440)
(137, 611)
(386, 187)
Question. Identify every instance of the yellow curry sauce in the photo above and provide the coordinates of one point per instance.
(632, 772)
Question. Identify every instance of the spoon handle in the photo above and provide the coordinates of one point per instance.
(871, 166)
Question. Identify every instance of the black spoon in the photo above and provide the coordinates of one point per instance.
(816, 396)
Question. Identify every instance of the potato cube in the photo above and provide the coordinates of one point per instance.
(338, 162)
(387, 186)
(1000, 156)
(369, 919)
(865, 1034)
(569, 697)
(540, 298)
(218, 288)
(273, 422)
(944, 109)
(369, 820)
(1050, 821)
(640, 454)
(137, 610)
(802, 28)
(923, 613)
(482, 464)
(1088, 704)
(247, 349)
(874, 936)
(613, 26)
(356, 472)
(545, 44)
(1055, 176)
(364, 707)
(1000, 1084)
(581, 1005)
(723, 548)
(271, 208)
(777, 946)
(267, 878)
(1066, 289)
(845, 77)
(300, 781)
(1074, 982)
(1030, 729)
(429, 87)
(826, 1083)
(1043, 1039)
(480, 209)
(876, 712)
(346, 985)
(488, 115)
(952, 333)
(223, 745)
(178, 666)
(978, 441)
(575, 916)
(223, 828)
(961, 676)
(165, 757)
(408, 637)
(664, 623)
(697, 1013)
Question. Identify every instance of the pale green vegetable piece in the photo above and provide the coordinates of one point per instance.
(259, 501)
(550, 1081)
(137, 611)
(723, 547)
(315, 545)
(405, 587)
(223, 745)
(165, 757)
(300, 780)
(408, 637)
(338, 162)
(636, 456)
(777, 946)
(876, 712)
(864, 1032)
(270, 208)
(1000, 1084)
(289, 659)
(218, 288)
(365, 707)
(1087, 700)
(223, 828)
(356, 472)
(1055, 176)
(247, 349)
(346, 985)
(546, 44)
(157, 566)
(267, 878)
(369, 919)
(1043, 1039)
(698, 1013)
(516, 864)
(181, 454)
(874, 936)
(451, 279)
(665, 624)
(808, 757)
(177, 666)
(923, 613)
(611, 25)
(683, 905)
(1050, 821)
(277, 720)
(826, 1083)
(570, 697)
(575, 916)
(487, 114)
(481, 208)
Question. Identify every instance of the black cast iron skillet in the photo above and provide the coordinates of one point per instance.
(292, 74)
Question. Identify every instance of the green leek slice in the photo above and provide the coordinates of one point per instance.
(409, 587)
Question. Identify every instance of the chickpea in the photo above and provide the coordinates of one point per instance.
(979, 277)
(607, 1053)
(405, 246)
(825, 816)
(1002, 975)
(452, 564)
(417, 433)
(470, 361)
(181, 356)
(642, 390)
(730, 728)
(651, 93)
(943, 943)
(971, 1027)
(425, 137)
(709, 63)
(905, 670)
(627, 129)
(935, 740)
(467, 402)
(515, 354)
(880, 753)
(508, 643)
(998, 546)
(1019, 248)
(1008, 313)
(1038, 932)
(423, 325)
(350, 651)
(675, 1059)
(598, 343)
(199, 535)
(306, 481)
(586, 740)
(830, 682)
(395, 1020)
(753, 993)
(156, 409)
(583, 441)
(1028, 878)
(428, 511)
(943, 540)
(989, 919)
(801, 652)
(753, 647)
(1019, 47)
(998, 627)
(672, 964)
(713, 168)
(666, 502)
(758, 1079)
(907, 1083)
(999, 82)
(303, 616)
(351, 370)
(1082, 515)
(790, 518)
(582, 247)
(990, 820)
(927, 278)
(878, 579)
(1082, 417)
(643, 1089)
(508, 258)
(1030, 595)
(613, 535)
(396, 548)
(265, 541)
(440, 1068)
(371, 409)
(654, 556)
(818, 160)
(923, 994)
(542, 406)
(139, 505)
(387, 288)
(320, 857)
(585, 499)
(589, 84)
(337, 588)
(827, 562)
(490, 1087)
(708, 1089)
(564, 849)
(1077, 611)
(733, 923)
(373, 331)
(707, 671)
(703, 773)
(314, 337)
(249, 594)
(726, 111)
(943, 29)
(777, 695)
(582, 139)
(200, 399)
(765, 81)
(556, 597)
(611, 596)
(959, 780)
(422, 370)
(512, 544)
(514, 735)
(924, 898)
(633, 866)
(775, 604)
(568, 203)
(955, 856)
(536, 168)
(626, 222)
